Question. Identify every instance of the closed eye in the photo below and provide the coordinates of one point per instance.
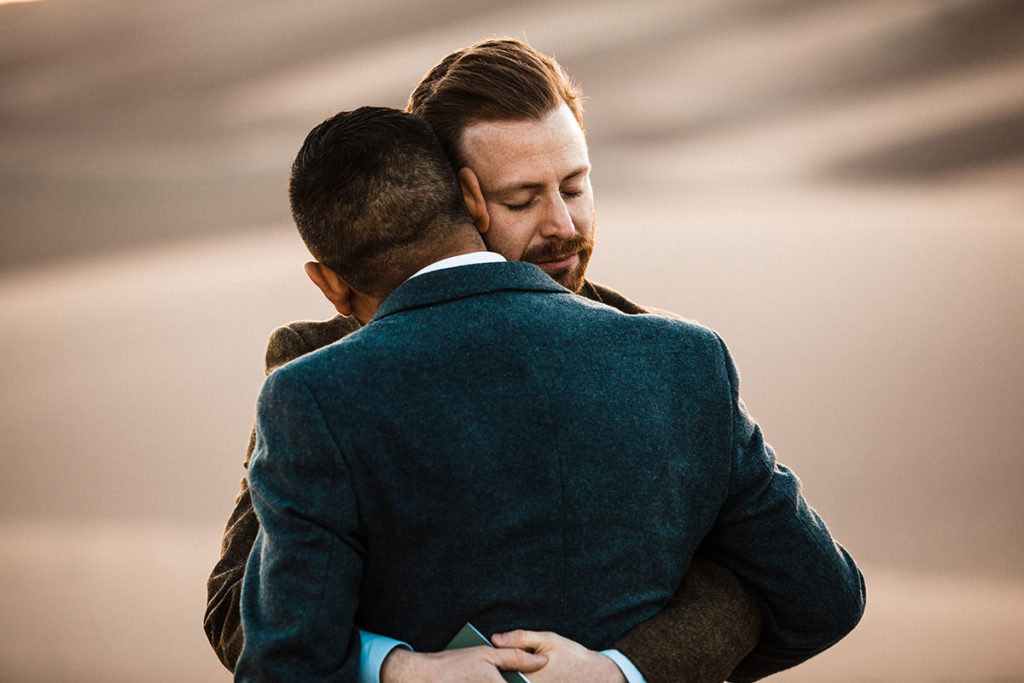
(520, 207)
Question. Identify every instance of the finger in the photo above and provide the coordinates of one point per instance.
(511, 659)
(523, 639)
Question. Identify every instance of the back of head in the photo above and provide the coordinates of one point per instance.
(496, 80)
(375, 198)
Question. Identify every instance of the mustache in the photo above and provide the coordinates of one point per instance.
(556, 251)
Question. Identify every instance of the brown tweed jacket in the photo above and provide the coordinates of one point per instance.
(711, 624)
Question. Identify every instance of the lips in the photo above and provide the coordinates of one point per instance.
(563, 260)
(559, 263)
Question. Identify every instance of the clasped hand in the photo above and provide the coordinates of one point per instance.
(544, 656)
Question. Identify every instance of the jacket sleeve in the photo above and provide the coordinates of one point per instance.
(811, 592)
(222, 621)
(711, 624)
(301, 583)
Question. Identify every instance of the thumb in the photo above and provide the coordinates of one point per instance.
(511, 659)
(522, 639)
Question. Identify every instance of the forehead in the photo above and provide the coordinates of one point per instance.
(525, 151)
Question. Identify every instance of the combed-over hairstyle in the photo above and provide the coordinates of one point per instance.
(372, 191)
(496, 80)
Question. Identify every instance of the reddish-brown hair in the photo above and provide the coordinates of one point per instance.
(496, 80)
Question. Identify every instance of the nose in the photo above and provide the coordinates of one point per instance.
(557, 221)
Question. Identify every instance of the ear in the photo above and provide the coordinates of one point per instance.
(474, 198)
(337, 291)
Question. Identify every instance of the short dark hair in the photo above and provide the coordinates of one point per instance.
(495, 80)
(372, 192)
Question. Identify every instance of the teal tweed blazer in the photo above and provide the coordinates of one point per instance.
(491, 448)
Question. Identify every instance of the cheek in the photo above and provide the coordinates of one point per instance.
(508, 236)
(583, 213)
(583, 219)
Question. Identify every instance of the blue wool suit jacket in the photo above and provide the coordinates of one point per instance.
(491, 448)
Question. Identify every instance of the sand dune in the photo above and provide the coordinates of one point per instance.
(127, 123)
(834, 187)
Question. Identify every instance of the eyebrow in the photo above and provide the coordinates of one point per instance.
(513, 187)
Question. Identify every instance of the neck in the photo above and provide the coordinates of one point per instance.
(463, 241)
(466, 242)
(461, 251)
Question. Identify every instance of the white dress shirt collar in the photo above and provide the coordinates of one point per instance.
(461, 260)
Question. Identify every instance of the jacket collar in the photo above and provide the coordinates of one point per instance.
(441, 286)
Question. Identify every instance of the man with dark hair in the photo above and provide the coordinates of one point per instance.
(510, 119)
(420, 473)
(361, 192)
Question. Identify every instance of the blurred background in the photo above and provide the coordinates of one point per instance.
(836, 187)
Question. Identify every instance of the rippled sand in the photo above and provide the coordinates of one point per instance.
(835, 189)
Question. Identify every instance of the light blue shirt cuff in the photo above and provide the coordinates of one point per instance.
(372, 651)
(631, 673)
